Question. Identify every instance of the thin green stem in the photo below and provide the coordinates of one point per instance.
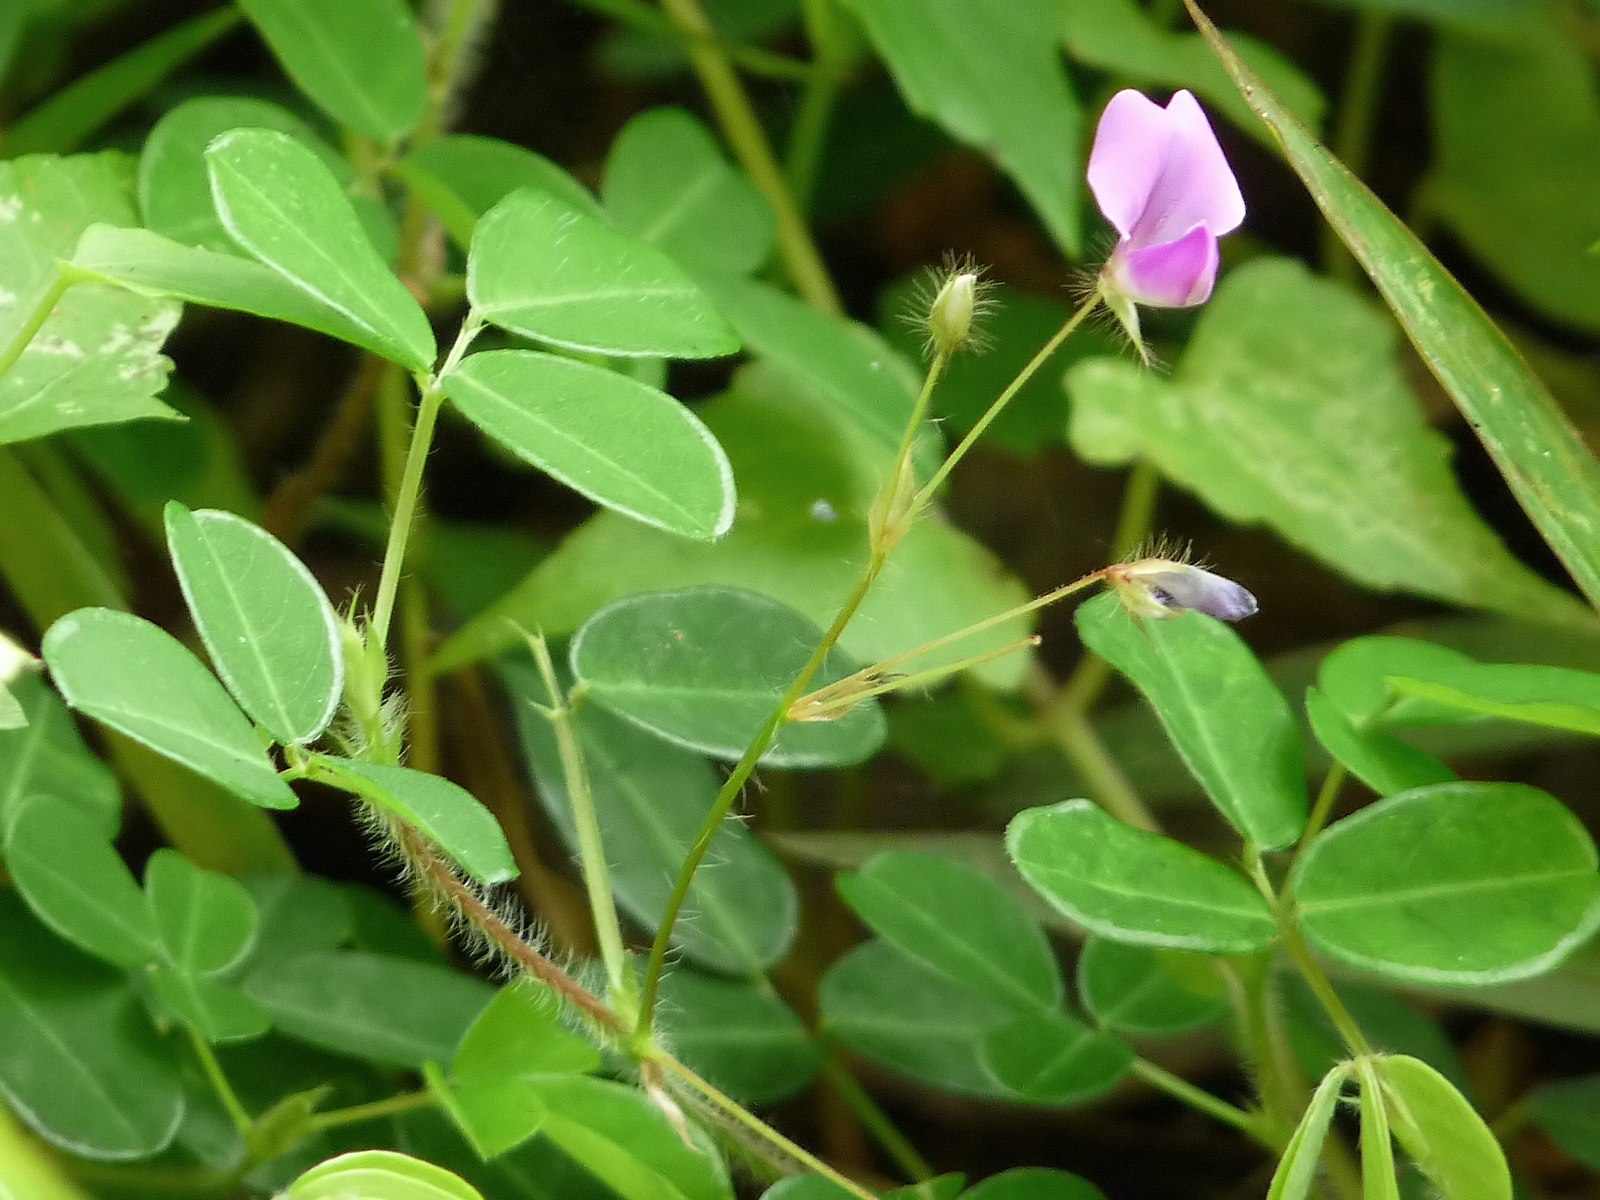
(391, 1106)
(234, 1107)
(931, 488)
(877, 1123)
(820, 704)
(591, 849)
(1196, 1098)
(809, 131)
(1352, 132)
(755, 59)
(1322, 807)
(1108, 786)
(742, 128)
(64, 278)
(734, 784)
(409, 494)
(735, 1112)
(1134, 524)
(888, 522)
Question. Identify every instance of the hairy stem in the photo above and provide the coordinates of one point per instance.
(742, 128)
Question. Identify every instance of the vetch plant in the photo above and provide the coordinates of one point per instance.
(769, 611)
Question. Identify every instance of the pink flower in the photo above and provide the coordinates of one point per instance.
(1160, 178)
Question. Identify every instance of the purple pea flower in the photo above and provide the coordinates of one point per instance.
(1158, 588)
(1160, 178)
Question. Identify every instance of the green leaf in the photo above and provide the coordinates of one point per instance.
(47, 757)
(843, 366)
(1013, 100)
(1121, 39)
(1053, 1058)
(446, 812)
(1460, 883)
(959, 922)
(379, 1175)
(1381, 761)
(800, 537)
(76, 883)
(218, 1012)
(740, 1036)
(493, 1091)
(651, 799)
(126, 673)
(207, 920)
(1516, 135)
(1441, 1132)
(461, 176)
(1136, 887)
(79, 1063)
(893, 1010)
(97, 358)
(544, 269)
(1298, 1169)
(264, 618)
(174, 188)
(1402, 682)
(1377, 1152)
(1288, 378)
(667, 183)
(1136, 990)
(91, 101)
(1550, 470)
(1033, 1183)
(624, 1140)
(706, 668)
(392, 1011)
(149, 264)
(360, 61)
(626, 446)
(1200, 678)
(1569, 1112)
(298, 914)
(281, 203)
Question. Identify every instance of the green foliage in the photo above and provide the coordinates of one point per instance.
(1296, 1176)
(461, 176)
(129, 675)
(1014, 101)
(276, 645)
(1269, 417)
(1440, 1131)
(626, 446)
(282, 205)
(47, 757)
(1463, 883)
(1136, 887)
(1569, 1112)
(706, 667)
(542, 268)
(1137, 990)
(1198, 675)
(379, 1175)
(740, 1036)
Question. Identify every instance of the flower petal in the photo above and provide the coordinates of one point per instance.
(1195, 185)
(1187, 587)
(1129, 153)
(1176, 274)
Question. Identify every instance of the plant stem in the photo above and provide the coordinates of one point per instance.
(410, 491)
(289, 509)
(1016, 385)
(1352, 134)
(219, 1083)
(735, 784)
(809, 131)
(755, 59)
(1221, 1110)
(876, 1122)
(40, 313)
(1322, 808)
(1107, 784)
(403, 1103)
(821, 704)
(591, 850)
(742, 128)
(1143, 487)
(731, 1108)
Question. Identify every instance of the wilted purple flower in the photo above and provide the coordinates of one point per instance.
(1160, 178)
(1158, 588)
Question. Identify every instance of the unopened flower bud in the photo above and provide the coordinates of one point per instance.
(1158, 588)
(950, 314)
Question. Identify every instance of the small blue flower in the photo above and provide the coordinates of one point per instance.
(1158, 588)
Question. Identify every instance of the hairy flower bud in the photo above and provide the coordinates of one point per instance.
(1158, 588)
(950, 314)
